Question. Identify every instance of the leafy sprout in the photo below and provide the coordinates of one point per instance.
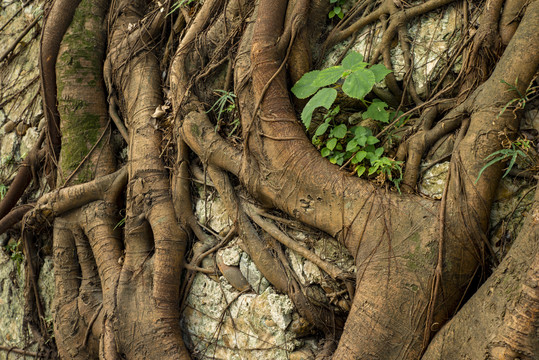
(338, 142)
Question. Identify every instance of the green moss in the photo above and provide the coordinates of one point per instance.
(79, 71)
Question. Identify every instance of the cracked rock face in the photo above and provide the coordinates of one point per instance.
(436, 35)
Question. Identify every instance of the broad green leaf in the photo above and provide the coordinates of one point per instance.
(321, 130)
(351, 145)
(305, 87)
(379, 151)
(359, 83)
(340, 15)
(380, 72)
(361, 131)
(337, 10)
(371, 140)
(328, 76)
(325, 97)
(376, 111)
(331, 15)
(361, 140)
(360, 156)
(325, 152)
(339, 131)
(373, 169)
(360, 170)
(352, 60)
(331, 143)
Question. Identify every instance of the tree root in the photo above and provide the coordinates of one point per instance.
(413, 149)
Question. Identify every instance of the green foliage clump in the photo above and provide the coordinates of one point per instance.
(337, 9)
(517, 149)
(16, 254)
(226, 104)
(520, 147)
(338, 142)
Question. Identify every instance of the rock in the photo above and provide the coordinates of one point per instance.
(313, 274)
(231, 255)
(280, 308)
(11, 302)
(9, 147)
(433, 181)
(28, 141)
(254, 277)
(42, 124)
(212, 212)
(222, 323)
(439, 29)
(46, 286)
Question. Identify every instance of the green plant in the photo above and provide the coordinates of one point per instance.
(522, 99)
(336, 141)
(337, 9)
(518, 148)
(13, 248)
(122, 221)
(3, 191)
(8, 160)
(226, 103)
(178, 4)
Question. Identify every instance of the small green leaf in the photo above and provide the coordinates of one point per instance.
(305, 87)
(361, 131)
(325, 97)
(352, 60)
(331, 143)
(376, 111)
(360, 156)
(359, 83)
(371, 140)
(321, 130)
(380, 72)
(379, 152)
(361, 140)
(337, 10)
(339, 131)
(325, 152)
(373, 169)
(331, 15)
(340, 15)
(351, 145)
(511, 163)
(360, 170)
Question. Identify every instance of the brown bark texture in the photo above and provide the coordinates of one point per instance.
(150, 72)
